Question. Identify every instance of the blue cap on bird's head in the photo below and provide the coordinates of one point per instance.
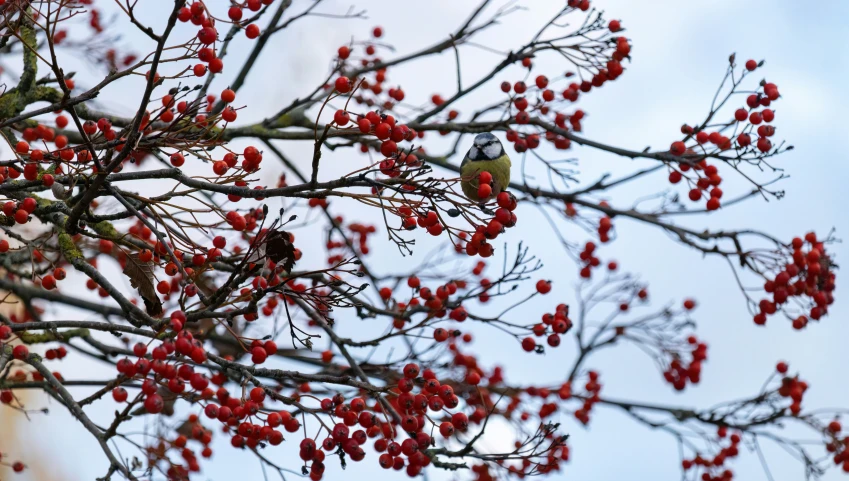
(485, 147)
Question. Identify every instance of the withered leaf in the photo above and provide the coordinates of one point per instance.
(186, 429)
(142, 279)
(277, 246)
(281, 250)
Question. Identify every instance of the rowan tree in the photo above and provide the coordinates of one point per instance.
(222, 324)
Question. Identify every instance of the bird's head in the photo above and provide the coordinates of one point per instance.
(486, 147)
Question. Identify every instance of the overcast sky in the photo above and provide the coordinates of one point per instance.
(680, 52)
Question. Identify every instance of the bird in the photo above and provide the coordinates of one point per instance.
(486, 155)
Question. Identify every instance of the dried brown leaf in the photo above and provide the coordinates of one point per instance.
(142, 279)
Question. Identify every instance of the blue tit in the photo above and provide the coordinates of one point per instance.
(486, 154)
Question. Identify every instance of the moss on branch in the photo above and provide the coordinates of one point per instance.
(50, 336)
(69, 249)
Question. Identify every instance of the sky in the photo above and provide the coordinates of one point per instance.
(680, 52)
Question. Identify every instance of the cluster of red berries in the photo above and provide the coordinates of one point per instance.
(413, 408)
(232, 410)
(237, 221)
(385, 128)
(359, 232)
(317, 202)
(523, 142)
(165, 373)
(793, 388)
(197, 14)
(757, 120)
(56, 353)
(435, 300)
(63, 151)
(552, 326)
(713, 470)
(545, 96)
(582, 5)
(91, 128)
(708, 178)
(764, 130)
(48, 281)
(592, 387)
(678, 374)
(31, 169)
(176, 471)
(20, 352)
(504, 218)
(605, 224)
(20, 211)
(39, 132)
(837, 445)
(590, 261)
(428, 220)
(371, 91)
(251, 160)
(808, 274)
(612, 71)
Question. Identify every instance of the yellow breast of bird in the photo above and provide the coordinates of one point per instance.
(498, 168)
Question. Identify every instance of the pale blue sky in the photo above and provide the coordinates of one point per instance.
(680, 51)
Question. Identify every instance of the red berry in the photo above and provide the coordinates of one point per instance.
(341, 118)
(119, 394)
(484, 191)
(48, 282)
(21, 216)
(252, 31)
(20, 352)
(343, 85)
(713, 203)
(677, 148)
(207, 35)
(153, 403)
(229, 114)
